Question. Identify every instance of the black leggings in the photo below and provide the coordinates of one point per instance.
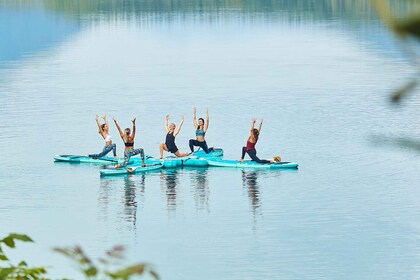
(253, 155)
(202, 145)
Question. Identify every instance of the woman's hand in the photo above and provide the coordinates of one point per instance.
(134, 121)
(167, 117)
(104, 117)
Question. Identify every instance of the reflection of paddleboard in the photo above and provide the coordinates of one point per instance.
(130, 169)
(250, 164)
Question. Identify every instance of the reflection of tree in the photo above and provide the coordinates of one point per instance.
(249, 180)
(201, 188)
(170, 180)
(295, 10)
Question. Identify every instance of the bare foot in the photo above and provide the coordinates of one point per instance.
(116, 157)
(143, 165)
(241, 160)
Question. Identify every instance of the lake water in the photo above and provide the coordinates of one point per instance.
(319, 74)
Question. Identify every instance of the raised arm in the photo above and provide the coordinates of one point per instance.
(207, 120)
(101, 132)
(133, 134)
(106, 121)
(179, 127)
(252, 128)
(260, 126)
(166, 123)
(195, 117)
(119, 129)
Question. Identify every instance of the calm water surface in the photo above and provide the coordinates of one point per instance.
(319, 74)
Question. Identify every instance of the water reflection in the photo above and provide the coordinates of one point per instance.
(169, 181)
(130, 203)
(201, 191)
(133, 196)
(250, 181)
(31, 29)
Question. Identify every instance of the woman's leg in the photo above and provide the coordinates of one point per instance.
(178, 154)
(253, 155)
(104, 152)
(114, 149)
(192, 144)
(203, 145)
(127, 157)
(243, 153)
(141, 152)
(161, 148)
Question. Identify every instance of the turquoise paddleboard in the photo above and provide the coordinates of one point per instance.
(172, 162)
(214, 153)
(85, 159)
(250, 164)
(129, 169)
(102, 160)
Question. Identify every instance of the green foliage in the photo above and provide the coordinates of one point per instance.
(103, 271)
(405, 27)
(89, 269)
(21, 271)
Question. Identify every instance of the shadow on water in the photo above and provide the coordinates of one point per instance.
(400, 142)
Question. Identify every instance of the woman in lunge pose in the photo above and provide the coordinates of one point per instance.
(250, 145)
(128, 138)
(200, 131)
(104, 132)
(171, 133)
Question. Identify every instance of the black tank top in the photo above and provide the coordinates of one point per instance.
(170, 141)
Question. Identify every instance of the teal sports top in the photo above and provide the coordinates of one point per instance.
(200, 132)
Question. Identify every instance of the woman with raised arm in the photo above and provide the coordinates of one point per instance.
(200, 131)
(128, 138)
(171, 133)
(104, 132)
(250, 144)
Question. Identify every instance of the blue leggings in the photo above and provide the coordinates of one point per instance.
(132, 152)
(105, 151)
(253, 155)
(202, 145)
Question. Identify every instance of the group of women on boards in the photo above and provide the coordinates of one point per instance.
(172, 131)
